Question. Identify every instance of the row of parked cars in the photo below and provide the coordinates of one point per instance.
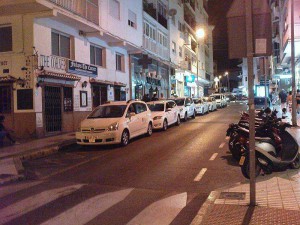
(118, 122)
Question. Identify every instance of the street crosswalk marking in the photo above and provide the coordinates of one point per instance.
(200, 174)
(89, 209)
(161, 212)
(15, 188)
(213, 157)
(31, 203)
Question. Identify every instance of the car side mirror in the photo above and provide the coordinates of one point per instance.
(131, 115)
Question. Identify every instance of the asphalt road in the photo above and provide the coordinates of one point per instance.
(162, 179)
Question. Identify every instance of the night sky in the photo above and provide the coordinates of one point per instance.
(217, 10)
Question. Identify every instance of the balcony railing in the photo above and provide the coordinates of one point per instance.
(155, 48)
(87, 9)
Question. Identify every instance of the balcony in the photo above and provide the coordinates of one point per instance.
(149, 8)
(191, 3)
(163, 21)
(190, 21)
(155, 48)
(87, 9)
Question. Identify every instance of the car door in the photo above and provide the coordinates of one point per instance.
(132, 121)
(171, 115)
(141, 111)
(188, 106)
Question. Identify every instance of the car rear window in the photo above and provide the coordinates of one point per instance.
(156, 107)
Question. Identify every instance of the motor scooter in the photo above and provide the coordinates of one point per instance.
(268, 158)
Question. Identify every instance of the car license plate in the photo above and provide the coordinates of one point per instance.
(92, 139)
(242, 160)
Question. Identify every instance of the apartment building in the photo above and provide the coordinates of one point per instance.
(60, 59)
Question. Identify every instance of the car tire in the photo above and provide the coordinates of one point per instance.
(165, 125)
(149, 130)
(194, 115)
(185, 117)
(178, 120)
(125, 138)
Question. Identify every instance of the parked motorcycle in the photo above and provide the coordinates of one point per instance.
(270, 159)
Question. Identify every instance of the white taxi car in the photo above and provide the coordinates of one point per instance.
(220, 99)
(212, 104)
(201, 106)
(114, 123)
(186, 107)
(164, 113)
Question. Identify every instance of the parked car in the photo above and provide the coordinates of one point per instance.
(212, 104)
(186, 107)
(201, 106)
(115, 122)
(259, 102)
(220, 99)
(164, 113)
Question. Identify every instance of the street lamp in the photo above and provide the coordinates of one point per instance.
(200, 34)
(228, 83)
(220, 78)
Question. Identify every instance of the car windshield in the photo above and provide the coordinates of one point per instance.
(197, 101)
(217, 96)
(156, 107)
(179, 102)
(108, 111)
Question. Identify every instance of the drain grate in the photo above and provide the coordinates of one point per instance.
(233, 195)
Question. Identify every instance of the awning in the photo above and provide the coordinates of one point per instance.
(62, 76)
(7, 79)
(96, 81)
(120, 84)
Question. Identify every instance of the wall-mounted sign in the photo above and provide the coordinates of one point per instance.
(53, 63)
(82, 69)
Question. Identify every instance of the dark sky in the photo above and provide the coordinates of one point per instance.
(217, 10)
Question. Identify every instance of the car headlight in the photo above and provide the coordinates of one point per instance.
(157, 117)
(113, 127)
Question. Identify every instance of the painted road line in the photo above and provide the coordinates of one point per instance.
(163, 211)
(213, 156)
(89, 209)
(11, 189)
(222, 145)
(29, 204)
(227, 138)
(200, 174)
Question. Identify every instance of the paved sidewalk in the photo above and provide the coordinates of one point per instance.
(11, 157)
(277, 198)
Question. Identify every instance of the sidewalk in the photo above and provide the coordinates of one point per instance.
(11, 157)
(277, 199)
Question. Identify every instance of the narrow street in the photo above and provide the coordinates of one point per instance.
(162, 179)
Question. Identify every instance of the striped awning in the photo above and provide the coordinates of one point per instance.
(62, 76)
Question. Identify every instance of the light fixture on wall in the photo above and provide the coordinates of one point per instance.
(84, 84)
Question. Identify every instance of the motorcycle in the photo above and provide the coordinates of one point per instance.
(267, 158)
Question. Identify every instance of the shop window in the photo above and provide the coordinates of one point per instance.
(68, 99)
(60, 45)
(5, 99)
(24, 99)
(120, 62)
(96, 54)
(5, 39)
(131, 19)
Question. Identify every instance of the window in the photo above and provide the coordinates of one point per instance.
(180, 26)
(114, 9)
(119, 62)
(173, 47)
(68, 99)
(5, 99)
(140, 107)
(24, 99)
(162, 9)
(162, 38)
(173, 20)
(149, 31)
(96, 55)
(5, 39)
(60, 45)
(131, 19)
(180, 51)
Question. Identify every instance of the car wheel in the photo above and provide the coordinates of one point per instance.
(165, 125)
(185, 117)
(125, 138)
(194, 115)
(178, 121)
(149, 130)
(296, 163)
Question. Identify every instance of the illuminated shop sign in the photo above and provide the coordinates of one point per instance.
(82, 69)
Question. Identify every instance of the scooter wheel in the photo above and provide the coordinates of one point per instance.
(245, 168)
(296, 163)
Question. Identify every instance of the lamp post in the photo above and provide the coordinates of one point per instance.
(221, 84)
(228, 84)
(200, 33)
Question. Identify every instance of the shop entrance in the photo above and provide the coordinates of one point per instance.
(99, 95)
(53, 107)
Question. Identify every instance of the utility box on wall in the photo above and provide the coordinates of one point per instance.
(262, 29)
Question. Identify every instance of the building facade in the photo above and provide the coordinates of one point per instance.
(60, 59)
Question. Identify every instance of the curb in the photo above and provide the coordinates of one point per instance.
(18, 160)
(205, 208)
